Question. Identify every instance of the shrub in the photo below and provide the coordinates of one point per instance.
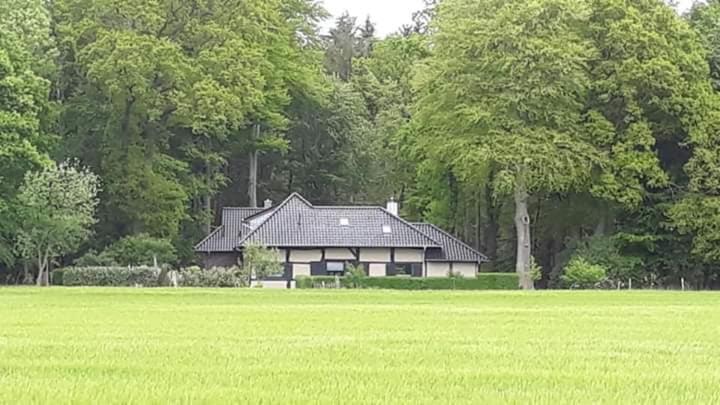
(111, 276)
(354, 276)
(216, 277)
(141, 250)
(137, 250)
(56, 277)
(484, 281)
(95, 259)
(581, 274)
(261, 261)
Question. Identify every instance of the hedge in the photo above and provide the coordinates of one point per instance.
(217, 277)
(484, 281)
(111, 276)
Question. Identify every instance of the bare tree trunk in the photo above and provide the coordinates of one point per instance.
(208, 200)
(253, 161)
(524, 246)
(41, 272)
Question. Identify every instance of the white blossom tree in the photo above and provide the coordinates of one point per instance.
(57, 213)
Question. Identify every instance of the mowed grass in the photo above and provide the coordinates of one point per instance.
(106, 346)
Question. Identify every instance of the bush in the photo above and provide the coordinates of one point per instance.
(581, 274)
(484, 281)
(56, 277)
(95, 259)
(111, 276)
(141, 250)
(217, 277)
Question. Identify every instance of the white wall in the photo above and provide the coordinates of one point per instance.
(377, 270)
(305, 256)
(339, 254)
(301, 269)
(273, 285)
(438, 269)
(468, 270)
(408, 256)
(369, 255)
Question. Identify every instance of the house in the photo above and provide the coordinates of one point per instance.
(322, 240)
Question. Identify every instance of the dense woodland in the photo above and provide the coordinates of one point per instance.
(537, 131)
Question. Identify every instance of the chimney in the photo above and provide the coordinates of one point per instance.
(392, 206)
(268, 203)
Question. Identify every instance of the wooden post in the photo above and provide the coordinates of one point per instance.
(629, 284)
(682, 283)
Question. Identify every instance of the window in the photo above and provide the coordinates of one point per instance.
(406, 270)
(387, 229)
(344, 222)
(335, 267)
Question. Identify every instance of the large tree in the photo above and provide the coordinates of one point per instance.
(24, 127)
(505, 88)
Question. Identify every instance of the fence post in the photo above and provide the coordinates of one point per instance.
(629, 284)
(682, 283)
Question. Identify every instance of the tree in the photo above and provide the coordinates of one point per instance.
(341, 47)
(261, 261)
(58, 211)
(505, 88)
(24, 134)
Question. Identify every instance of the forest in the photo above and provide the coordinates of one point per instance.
(540, 131)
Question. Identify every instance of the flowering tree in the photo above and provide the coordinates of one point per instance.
(57, 213)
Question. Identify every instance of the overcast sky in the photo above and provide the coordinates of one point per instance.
(389, 15)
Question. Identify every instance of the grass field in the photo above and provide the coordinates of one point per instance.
(263, 346)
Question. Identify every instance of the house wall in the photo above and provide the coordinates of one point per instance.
(305, 256)
(339, 254)
(377, 270)
(438, 269)
(301, 269)
(409, 256)
(468, 270)
(442, 269)
(210, 260)
(373, 255)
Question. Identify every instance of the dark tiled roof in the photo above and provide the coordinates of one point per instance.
(227, 236)
(296, 222)
(453, 249)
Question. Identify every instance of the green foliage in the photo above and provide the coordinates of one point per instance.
(216, 277)
(261, 262)
(57, 277)
(58, 211)
(354, 276)
(141, 250)
(607, 253)
(111, 276)
(581, 274)
(484, 281)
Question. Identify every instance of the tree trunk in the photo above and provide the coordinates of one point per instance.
(253, 161)
(42, 273)
(208, 199)
(524, 246)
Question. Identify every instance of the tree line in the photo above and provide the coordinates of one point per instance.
(538, 131)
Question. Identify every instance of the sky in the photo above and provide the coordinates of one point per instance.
(389, 15)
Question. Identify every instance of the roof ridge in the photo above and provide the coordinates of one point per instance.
(275, 211)
(348, 207)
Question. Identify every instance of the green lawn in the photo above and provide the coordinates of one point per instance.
(249, 346)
